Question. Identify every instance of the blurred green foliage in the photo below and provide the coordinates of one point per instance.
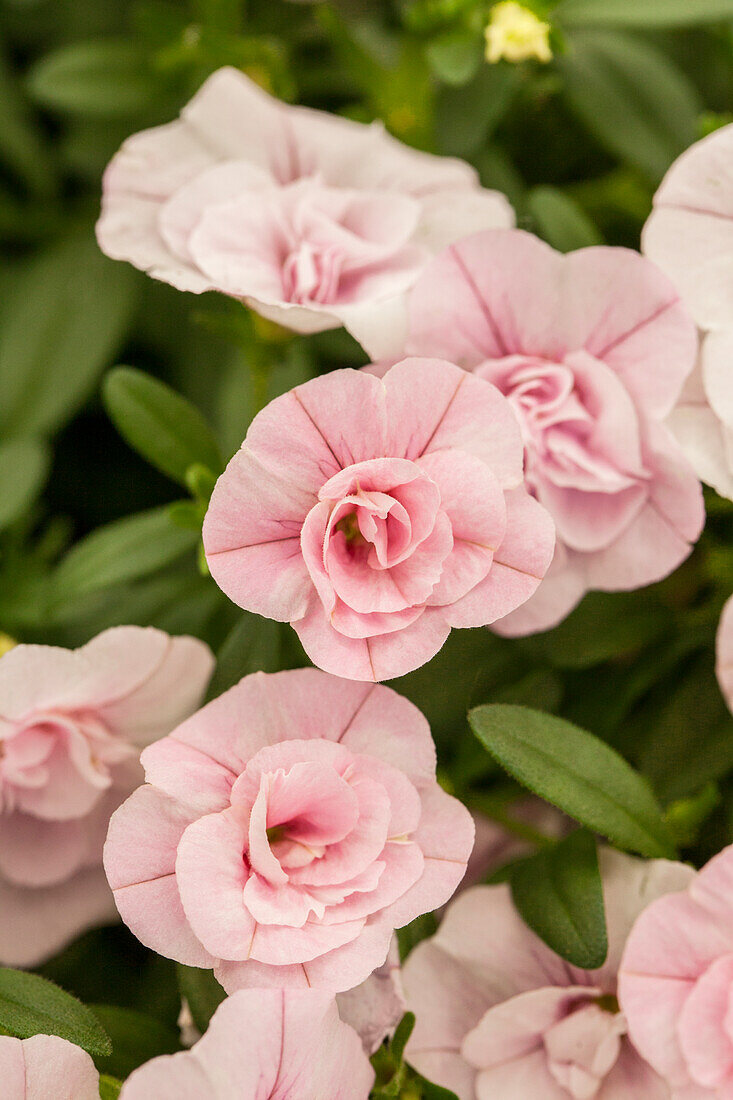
(92, 534)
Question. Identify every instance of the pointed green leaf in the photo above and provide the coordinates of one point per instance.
(31, 1005)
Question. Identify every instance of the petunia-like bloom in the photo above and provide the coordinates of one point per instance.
(72, 723)
(312, 220)
(46, 1066)
(689, 234)
(286, 830)
(375, 514)
(676, 980)
(263, 1044)
(500, 1015)
(375, 1007)
(592, 350)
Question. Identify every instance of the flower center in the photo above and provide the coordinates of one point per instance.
(349, 527)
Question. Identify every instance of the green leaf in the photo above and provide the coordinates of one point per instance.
(21, 143)
(253, 645)
(121, 551)
(559, 895)
(136, 1038)
(640, 13)
(577, 772)
(31, 1005)
(636, 102)
(455, 56)
(60, 325)
(162, 426)
(109, 1087)
(202, 992)
(434, 1092)
(467, 115)
(560, 220)
(107, 78)
(24, 465)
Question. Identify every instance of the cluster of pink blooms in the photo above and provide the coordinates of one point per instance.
(533, 426)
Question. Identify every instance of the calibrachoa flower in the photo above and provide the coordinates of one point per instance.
(286, 830)
(72, 723)
(263, 1045)
(501, 1015)
(312, 220)
(376, 514)
(689, 234)
(724, 653)
(46, 1066)
(676, 980)
(592, 350)
(375, 1007)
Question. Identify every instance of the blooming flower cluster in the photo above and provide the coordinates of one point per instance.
(525, 433)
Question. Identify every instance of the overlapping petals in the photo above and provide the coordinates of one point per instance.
(72, 723)
(263, 1045)
(312, 220)
(675, 984)
(286, 830)
(45, 1066)
(376, 514)
(592, 350)
(498, 1014)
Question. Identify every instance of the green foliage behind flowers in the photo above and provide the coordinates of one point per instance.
(615, 717)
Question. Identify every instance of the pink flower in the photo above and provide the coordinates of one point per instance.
(500, 1015)
(591, 349)
(375, 1007)
(675, 984)
(46, 1066)
(287, 829)
(724, 653)
(72, 723)
(313, 220)
(690, 236)
(376, 514)
(263, 1044)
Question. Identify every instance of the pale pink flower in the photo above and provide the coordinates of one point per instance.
(375, 514)
(724, 653)
(72, 723)
(592, 350)
(689, 234)
(375, 1007)
(286, 830)
(500, 1015)
(263, 1044)
(676, 984)
(312, 220)
(45, 1067)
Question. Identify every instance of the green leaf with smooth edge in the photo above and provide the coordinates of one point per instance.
(121, 551)
(202, 993)
(435, 1092)
(559, 895)
(455, 56)
(31, 1005)
(560, 220)
(465, 116)
(577, 772)
(640, 13)
(637, 103)
(136, 1038)
(61, 323)
(109, 1087)
(107, 78)
(24, 465)
(162, 426)
(253, 645)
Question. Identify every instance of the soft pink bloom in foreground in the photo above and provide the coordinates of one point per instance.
(724, 653)
(287, 829)
(689, 234)
(263, 1045)
(46, 1067)
(375, 1007)
(311, 219)
(375, 514)
(501, 1017)
(72, 723)
(592, 350)
(676, 984)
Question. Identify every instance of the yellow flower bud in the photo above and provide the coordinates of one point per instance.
(515, 33)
